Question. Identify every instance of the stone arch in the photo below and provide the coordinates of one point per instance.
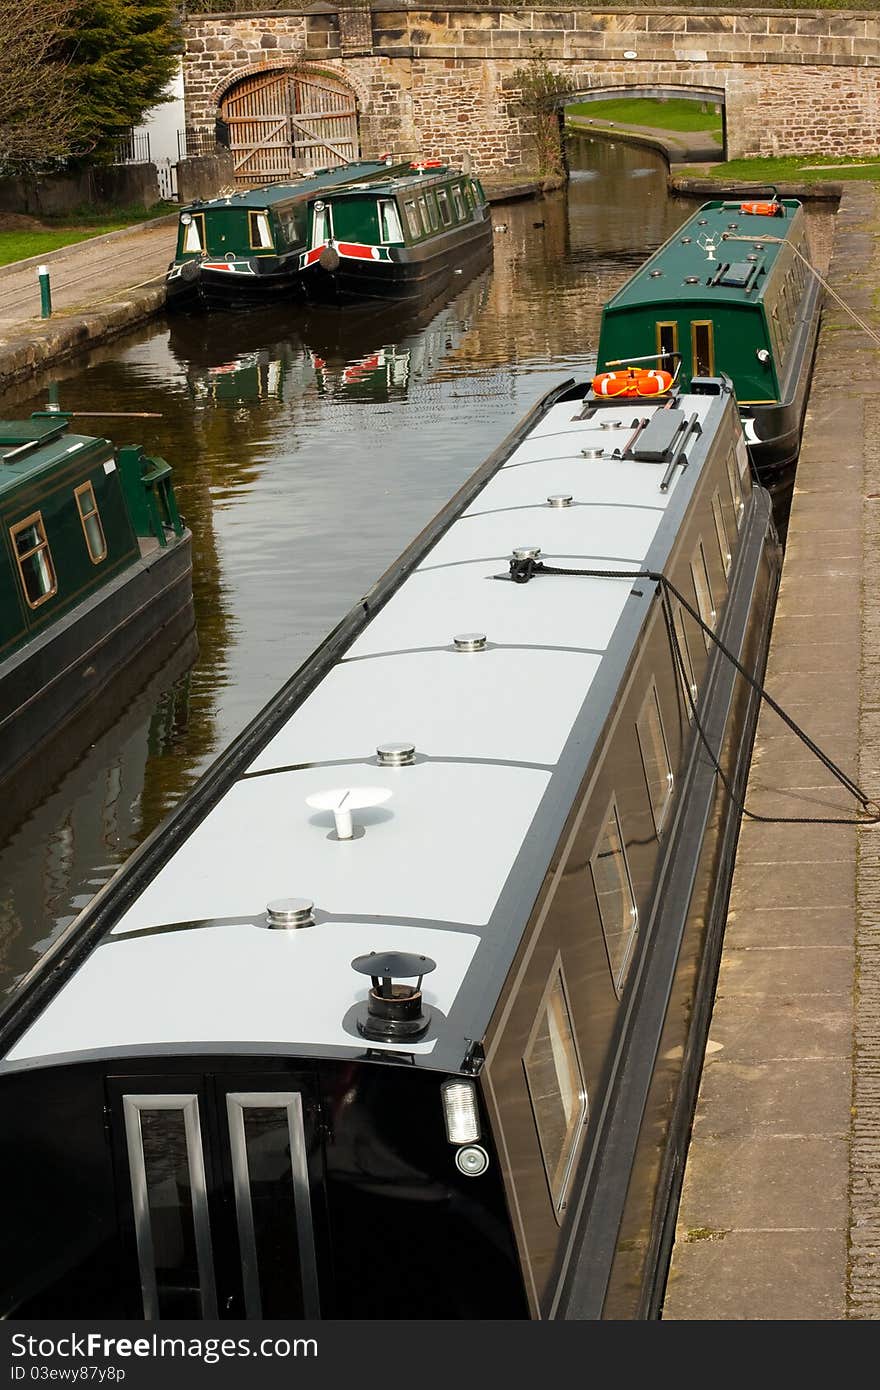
(604, 87)
(285, 118)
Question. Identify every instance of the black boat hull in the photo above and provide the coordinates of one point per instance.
(54, 677)
(416, 273)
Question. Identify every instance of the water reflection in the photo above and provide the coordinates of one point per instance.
(308, 449)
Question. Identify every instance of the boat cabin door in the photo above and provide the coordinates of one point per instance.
(219, 1179)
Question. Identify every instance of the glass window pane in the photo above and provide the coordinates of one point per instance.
(193, 240)
(391, 228)
(614, 895)
(273, 1204)
(687, 674)
(169, 1198)
(556, 1087)
(703, 593)
(655, 758)
(735, 486)
(443, 204)
(458, 203)
(34, 560)
(721, 533)
(702, 353)
(413, 219)
(91, 522)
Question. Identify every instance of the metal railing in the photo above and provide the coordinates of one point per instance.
(133, 148)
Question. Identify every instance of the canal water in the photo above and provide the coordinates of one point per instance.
(308, 450)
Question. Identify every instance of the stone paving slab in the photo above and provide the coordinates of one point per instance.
(780, 1208)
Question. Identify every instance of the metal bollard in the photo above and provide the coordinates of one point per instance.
(45, 292)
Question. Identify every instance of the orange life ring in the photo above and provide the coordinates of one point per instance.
(634, 381)
(763, 209)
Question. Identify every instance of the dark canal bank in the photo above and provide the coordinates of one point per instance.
(308, 450)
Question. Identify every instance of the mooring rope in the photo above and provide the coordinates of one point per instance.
(521, 571)
(781, 241)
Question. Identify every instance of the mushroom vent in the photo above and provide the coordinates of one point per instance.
(394, 1011)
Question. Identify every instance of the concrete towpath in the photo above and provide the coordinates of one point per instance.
(99, 288)
(779, 1215)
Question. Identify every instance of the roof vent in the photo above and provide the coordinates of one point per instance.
(396, 754)
(394, 1011)
(290, 912)
(686, 240)
(655, 274)
(733, 226)
(470, 642)
(592, 453)
(692, 279)
(526, 552)
(560, 499)
(342, 801)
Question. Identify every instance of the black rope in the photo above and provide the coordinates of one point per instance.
(521, 571)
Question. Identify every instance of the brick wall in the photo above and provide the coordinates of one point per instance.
(440, 81)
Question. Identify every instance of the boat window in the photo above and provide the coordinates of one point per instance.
(91, 522)
(684, 662)
(169, 1194)
(34, 559)
(412, 217)
(667, 338)
(443, 204)
(259, 231)
(736, 492)
(458, 203)
(702, 348)
(294, 222)
(721, 532)
(322, 225)
(423, 214)
(389, 221)
(703, 592)
(614, 896)
(478, 190)
(194, 234)
(655, 757)
(432, 211)
(273, 1204)
(556, 1086)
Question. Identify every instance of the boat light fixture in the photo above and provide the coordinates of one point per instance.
(396, 754)
(470, 642)
(472, 1161)
(460, 1113)
(342, 801)
(394, 1011)
(560, 499)
(762, 355)
(186, 218)
(290, 912)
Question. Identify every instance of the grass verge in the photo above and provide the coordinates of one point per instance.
(18, 242)
(675, 114)
(808, 168)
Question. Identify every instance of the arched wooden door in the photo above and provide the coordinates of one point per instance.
(283, 123)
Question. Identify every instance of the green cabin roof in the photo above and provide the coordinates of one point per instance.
(29, 448)
(367, 177)
(685, 270)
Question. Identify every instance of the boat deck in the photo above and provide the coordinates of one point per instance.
(779, 1216)
(487, 796)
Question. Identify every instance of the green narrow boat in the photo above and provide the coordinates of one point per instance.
(731, 292)
(95, 563)
(372, 231)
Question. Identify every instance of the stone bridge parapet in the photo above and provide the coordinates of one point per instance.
(443, 81)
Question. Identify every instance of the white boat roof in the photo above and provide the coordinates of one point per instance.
(450, 865)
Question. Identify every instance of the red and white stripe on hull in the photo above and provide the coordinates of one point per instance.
(354, 250)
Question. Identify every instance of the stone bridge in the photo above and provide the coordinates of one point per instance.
(447, 81)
